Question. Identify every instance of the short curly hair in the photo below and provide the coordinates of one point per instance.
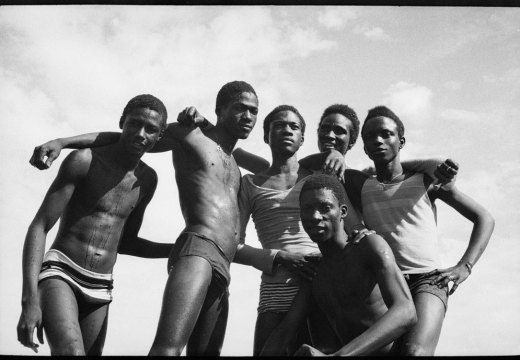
(231, 91)
(270, 117)
(347, 112)
(325, 181)
(145, 101)
(382, 110)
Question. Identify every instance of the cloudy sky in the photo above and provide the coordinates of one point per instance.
(452, 74)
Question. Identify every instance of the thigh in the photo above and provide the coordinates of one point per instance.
(60, 317)
(266, 322)
(183, 298)
(424, 336)
(208, 335)
(323, 336)
(93, 319)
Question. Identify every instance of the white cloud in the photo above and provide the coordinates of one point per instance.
(337, 17)
(409, 100)
(459, 115)
(372, 33)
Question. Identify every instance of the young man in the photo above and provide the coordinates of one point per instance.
(271, 198)
(101, 195)
(338, 131)
(195, 303)
(358, 286)
(400, 205)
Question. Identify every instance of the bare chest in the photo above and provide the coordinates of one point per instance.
(109, 194)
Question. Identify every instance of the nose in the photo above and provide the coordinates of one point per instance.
(247, 115)
(329, 135)
(140, 132)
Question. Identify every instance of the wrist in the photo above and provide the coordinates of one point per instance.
(279, 257)
(204, 123)
(468, 265)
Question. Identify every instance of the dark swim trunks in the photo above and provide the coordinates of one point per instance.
(421, 283)
(193, 244)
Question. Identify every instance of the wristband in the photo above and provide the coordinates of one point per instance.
(204, 124)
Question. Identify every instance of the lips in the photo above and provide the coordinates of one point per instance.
(328, 145)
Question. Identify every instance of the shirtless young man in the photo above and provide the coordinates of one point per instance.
(195, 303)
(358, 286)
(400, 205)
(101, 195)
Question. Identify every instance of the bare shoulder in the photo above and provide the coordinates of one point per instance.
(77, 162)
(147, 173)
(376, 250)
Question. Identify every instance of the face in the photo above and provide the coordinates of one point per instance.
(239, 116)
(141, 130)
(334, 133)
(285, 132)
(321, 214)
(381, 139)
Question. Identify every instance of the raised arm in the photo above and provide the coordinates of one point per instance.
(443, 171)
(72, 171)
(401, 315)
(44, 155)
(131, 243)
(249, 161)
(330, 162)
(483, 225)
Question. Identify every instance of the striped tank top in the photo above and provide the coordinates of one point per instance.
(404, 216)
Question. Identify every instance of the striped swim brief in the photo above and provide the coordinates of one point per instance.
(96, 288)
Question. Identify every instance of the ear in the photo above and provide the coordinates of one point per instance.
(402, 140)
(266, 139)
(349, 146)
(121, 122)
(365, 149)
(301, 141)
(344, 211)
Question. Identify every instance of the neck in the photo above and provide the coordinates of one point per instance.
(333, 246)
(123, 158)
(389, 171)
(284, 163)
(223, 139)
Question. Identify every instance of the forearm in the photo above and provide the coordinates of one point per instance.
(314, 161)
(145, 248)
(32, 258)
(480, 235)
(261, 259)
(89, 140)
(396, 321)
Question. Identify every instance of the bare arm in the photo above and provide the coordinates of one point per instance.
(400, 316)
(443, 171)
(130, 243)
(284, 335)
(483, 225)
(51, 149)
(330, 162)
(72, 170)
(250, 162)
